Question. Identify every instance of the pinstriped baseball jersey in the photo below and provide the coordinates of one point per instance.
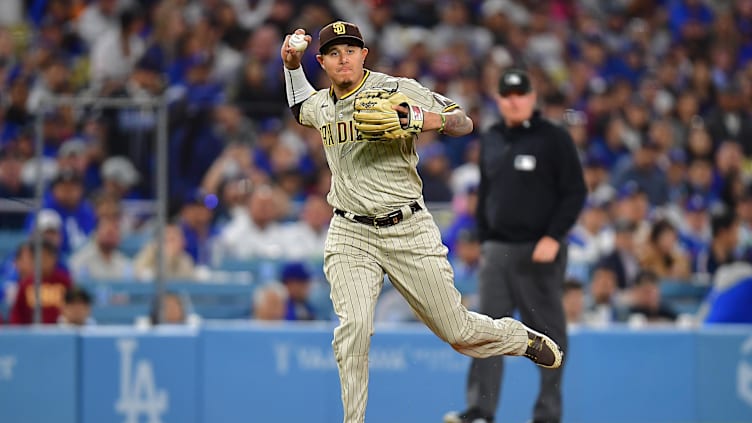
(369, 178)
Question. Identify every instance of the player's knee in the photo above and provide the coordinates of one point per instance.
(355, 327)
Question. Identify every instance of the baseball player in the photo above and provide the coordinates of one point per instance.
(369, 123)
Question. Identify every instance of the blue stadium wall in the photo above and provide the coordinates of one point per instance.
(254, 373)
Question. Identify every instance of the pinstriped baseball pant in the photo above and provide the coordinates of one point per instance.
(412, 255)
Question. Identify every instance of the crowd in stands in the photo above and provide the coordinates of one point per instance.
(657, 96)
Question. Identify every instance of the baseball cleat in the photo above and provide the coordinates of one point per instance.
(542, 350)
(472, 415)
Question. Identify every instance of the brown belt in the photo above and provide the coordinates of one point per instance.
(390, 219)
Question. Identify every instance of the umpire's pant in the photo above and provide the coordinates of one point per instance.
(509, 280)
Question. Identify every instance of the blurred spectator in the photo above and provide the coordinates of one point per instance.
(232, 126)
(230, 178)
(73, 156)
(611, 148)
(107, 207)
(54, 283)
(623, 260)
(66, 197)
(724, 227)
(194, 143)
(178, 263)
(464, 216)
(699, 145)
(465, 260)
(260, 94)
(270, 302)
(297, 281)
(729, 121)
(130, 132)
(744, 212)
(604, 307)
(119, 176)
(76, 309)
(595, 173)
(54, 80)
(18, 268)
(645, 299)
(694, 233)
(171, 310)
(435, 172)
(644, 170)
(195, 220)
(467, 174)
(392, 307)
(305, 238)
(98, 17)
(676, 175)
(256, 232)
(115, 53)
(662, 255)
(100, 257)
(573, 301)
(686, 115)
(49, 224)
(12, 188)
(700, 180)
(632, 205)
(17, 117)
(590, 239)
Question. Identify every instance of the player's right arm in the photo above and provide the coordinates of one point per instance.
(296, 84)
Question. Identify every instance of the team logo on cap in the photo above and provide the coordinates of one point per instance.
(338, 28)
(513, 79)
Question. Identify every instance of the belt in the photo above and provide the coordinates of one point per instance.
(390, 219)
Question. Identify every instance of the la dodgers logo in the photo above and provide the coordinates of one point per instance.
(138, 392)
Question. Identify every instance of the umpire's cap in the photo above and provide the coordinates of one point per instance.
(344, 32)
(514, 81)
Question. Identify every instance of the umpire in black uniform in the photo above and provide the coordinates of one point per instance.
(531, 193)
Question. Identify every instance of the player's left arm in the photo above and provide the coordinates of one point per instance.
(454, 123)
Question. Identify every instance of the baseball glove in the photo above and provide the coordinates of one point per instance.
(376, 119)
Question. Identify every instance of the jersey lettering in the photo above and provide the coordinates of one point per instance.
(345, 133)
(326, 135)
(342, 132)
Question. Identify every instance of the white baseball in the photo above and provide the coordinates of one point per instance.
(298, 42)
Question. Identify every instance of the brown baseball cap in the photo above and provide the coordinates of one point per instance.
(340, 32)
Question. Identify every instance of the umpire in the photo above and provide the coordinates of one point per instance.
(531, 192)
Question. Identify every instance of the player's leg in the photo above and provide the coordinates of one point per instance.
(415, 260)
(356, 280)
(540, 306)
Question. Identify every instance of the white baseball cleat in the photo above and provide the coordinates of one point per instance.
(470, 416)
(542, 350)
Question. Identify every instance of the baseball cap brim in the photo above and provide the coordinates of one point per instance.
(345, 39)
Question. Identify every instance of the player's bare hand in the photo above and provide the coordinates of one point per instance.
(290, 56)
(545, 250)
(402, 113)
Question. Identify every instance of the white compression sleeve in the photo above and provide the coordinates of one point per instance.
(297, 86)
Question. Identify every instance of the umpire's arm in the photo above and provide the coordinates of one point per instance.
(571, 186)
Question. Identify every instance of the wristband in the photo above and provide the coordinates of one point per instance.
(443, 123)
